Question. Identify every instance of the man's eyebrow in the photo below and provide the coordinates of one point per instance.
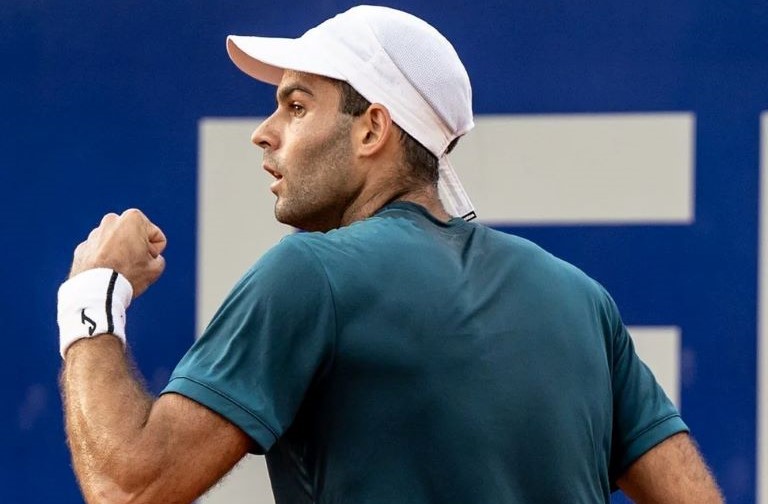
(284, 92)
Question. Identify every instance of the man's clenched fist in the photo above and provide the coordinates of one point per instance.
(129, 243)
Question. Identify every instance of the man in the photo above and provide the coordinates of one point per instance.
(399, 353)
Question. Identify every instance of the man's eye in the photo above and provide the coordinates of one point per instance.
(297, 109)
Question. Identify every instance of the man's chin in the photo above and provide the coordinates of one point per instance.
(281, 215)
(305, 219)
(285, 216)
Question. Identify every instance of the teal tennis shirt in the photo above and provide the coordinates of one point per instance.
(405, 360)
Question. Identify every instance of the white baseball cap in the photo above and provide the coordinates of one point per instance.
(389, 57)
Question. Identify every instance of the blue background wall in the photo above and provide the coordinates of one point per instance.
(99, 104)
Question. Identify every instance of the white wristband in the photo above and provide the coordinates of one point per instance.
(91, 303)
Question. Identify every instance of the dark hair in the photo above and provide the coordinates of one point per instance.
(417, 157)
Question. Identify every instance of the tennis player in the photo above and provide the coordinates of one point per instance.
(396, 354)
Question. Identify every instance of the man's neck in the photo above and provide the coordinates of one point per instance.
(366, 207)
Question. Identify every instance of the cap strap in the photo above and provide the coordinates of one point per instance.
(452, 193)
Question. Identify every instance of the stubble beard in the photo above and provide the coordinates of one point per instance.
(315, 199)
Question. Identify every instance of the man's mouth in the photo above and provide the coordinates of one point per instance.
(268, 168)
(278, 176)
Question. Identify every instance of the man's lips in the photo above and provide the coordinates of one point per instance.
(272, 171)
(278, 177)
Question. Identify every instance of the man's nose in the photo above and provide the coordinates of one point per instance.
(265, 135)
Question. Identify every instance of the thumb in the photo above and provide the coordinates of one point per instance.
(150, 274)
(157, 240)
(157, 266)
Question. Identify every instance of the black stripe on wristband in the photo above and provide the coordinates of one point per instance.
(110, 291)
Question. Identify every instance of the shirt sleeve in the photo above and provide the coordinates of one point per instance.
(270, 338)
(643, 415)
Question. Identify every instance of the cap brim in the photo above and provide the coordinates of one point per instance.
(265, 58)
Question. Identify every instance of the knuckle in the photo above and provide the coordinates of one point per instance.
(133, 213)
(108, 218)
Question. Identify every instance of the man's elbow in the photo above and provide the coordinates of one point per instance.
(107, 492)
(128, 480)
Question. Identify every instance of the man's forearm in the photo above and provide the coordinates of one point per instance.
(127, 447)
(105, 408)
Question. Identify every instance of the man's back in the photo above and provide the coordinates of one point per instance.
(403, 357)
(459, 364)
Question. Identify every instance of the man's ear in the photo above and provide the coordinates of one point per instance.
(373, 130)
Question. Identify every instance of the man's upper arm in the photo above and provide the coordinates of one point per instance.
(265, 345)
(671, 472)
(643, 415)
(194, 447)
